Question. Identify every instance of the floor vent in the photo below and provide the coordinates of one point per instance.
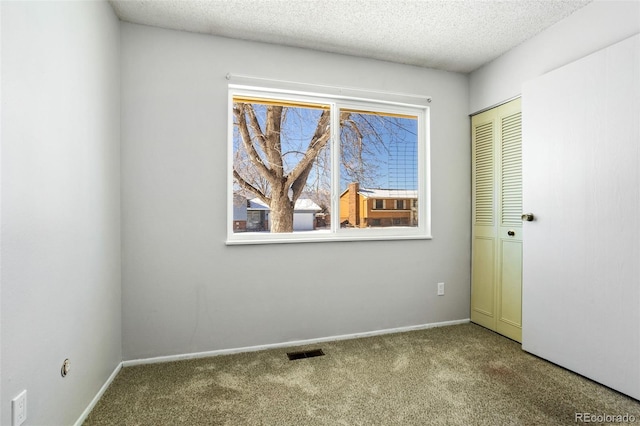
(304, 354)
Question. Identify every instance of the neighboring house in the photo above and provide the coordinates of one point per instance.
(253, 215)
(361, 207)
(239, 213)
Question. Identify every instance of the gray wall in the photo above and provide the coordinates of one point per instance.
(184, 291)
(60, 203)
(594, 27)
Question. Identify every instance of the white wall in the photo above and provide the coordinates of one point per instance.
(595, 26)
(184, 291)
(60, 237)
(1, 400)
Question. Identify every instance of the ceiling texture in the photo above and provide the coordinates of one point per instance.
(450, 35)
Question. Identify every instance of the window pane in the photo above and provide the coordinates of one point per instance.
(281, 166)
(378, 169)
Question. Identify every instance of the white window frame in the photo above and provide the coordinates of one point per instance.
(422, 112)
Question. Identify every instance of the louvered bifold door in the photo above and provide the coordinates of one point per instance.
(509, 266)
(496, 269)
(483, 301)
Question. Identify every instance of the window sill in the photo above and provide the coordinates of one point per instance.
(254, 239)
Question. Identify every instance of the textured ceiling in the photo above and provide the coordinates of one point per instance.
(443, 34)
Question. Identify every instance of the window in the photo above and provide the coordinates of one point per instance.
(311, 167)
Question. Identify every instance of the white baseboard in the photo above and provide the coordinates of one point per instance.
(290, 343)
(95, 400)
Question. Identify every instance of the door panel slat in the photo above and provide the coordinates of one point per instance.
(484, 175)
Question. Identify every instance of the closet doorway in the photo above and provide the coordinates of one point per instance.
(496, 269)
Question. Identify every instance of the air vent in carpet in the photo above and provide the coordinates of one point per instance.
(304, 354)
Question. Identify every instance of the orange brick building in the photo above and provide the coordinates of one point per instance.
(364, 208)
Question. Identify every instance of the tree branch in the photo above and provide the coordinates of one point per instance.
(255, 125)
(319, 140)
(273, 143)
(238, 112)
(247, 186)
(299, 184)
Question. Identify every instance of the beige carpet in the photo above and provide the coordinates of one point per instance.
(458, 375)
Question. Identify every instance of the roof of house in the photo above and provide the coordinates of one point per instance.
(386, 193)
(302, 205)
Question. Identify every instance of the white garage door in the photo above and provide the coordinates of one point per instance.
(303, 221)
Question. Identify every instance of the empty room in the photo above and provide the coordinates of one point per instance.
(363, 212)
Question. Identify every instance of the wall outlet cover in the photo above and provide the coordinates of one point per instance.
(19, 409)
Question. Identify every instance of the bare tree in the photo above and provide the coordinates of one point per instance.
(264, 150)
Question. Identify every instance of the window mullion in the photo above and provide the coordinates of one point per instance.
(335, 168)
(424, 170)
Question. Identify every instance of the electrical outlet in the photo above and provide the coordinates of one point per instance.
(440, 289)
(19, 409)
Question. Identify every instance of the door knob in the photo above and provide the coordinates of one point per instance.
(511, 232)
(527, 217)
